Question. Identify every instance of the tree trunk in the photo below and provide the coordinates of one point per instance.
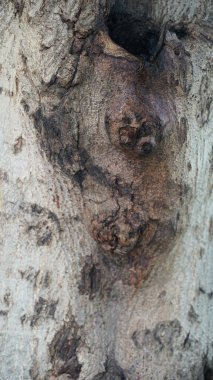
(106, 190)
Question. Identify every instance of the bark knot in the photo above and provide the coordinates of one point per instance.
(118, 232)
(135, 133)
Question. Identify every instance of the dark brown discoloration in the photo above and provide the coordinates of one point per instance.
(119, 146)
(118, 232)
(100, 273)
(183, 130)
(136, 125)
(63, 351)
(208, 373)
(133, 131)
(90, 278)
(112, 371)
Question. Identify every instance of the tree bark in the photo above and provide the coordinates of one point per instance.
(106, 190)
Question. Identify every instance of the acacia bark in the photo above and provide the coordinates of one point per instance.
(106, 190)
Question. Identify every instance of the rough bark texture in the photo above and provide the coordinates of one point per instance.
(106, 190)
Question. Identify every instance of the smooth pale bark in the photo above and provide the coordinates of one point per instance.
(65, 312)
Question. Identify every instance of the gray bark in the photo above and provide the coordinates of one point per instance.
(106, 162)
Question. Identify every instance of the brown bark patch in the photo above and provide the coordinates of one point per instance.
(208, 374)
(63, 351)
(118, 233)
(112, 371)
(116, 133)
(90, 278)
